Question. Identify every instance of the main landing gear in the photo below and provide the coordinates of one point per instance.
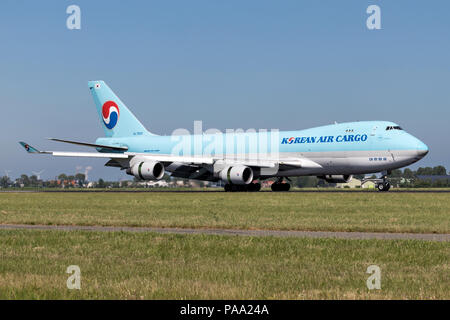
(280, 186)
(251, 187)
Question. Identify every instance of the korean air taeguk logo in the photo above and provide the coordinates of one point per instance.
(110, 113)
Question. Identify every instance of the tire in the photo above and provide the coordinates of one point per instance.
(227, 187)
(254, 187)
(384, 187)
(277, 187)
(239, 188)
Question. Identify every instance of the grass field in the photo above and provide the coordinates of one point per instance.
(127, 265)
(155, 266)
(379, 212)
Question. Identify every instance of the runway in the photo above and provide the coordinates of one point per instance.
(233, 232)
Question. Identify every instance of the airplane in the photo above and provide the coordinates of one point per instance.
(333, 152)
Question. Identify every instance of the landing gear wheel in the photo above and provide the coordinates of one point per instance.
(280, 187)
(242, 188)
(384, 186)
(254, 187)
(238, 188)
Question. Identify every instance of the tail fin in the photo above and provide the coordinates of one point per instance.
(117, 120)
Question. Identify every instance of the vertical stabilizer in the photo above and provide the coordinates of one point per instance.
(116, 119)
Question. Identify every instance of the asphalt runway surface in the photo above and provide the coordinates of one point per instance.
(235, 232)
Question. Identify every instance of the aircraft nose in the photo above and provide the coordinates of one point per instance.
(422, 149)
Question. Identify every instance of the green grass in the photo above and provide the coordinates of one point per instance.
(163, 266)
(378, 212)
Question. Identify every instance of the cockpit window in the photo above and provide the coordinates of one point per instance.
(393, 128)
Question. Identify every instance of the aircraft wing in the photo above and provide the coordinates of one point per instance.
(197, 169)
(197, 161)
(31, 149)
(101, 146)
(260, 163)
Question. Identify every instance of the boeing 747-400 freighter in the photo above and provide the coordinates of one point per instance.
(332, 152)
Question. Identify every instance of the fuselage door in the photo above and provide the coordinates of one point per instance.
(392, 155)
(374, 131)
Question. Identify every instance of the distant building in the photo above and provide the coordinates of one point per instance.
(154, 184)
(356, 183)
(159, 183)
(194, 184)
(351, 184)
(180, 183)
(368, 185)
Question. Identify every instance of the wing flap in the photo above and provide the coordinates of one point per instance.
(88, 154)
(171, 159)
(301, 163)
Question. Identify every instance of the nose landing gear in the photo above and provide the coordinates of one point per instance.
(384, 186)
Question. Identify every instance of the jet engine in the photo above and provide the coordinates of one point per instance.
(237, 175)
(148, 170)
(337, 178)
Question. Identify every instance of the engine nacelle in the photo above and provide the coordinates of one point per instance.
(331, 178)
(237, 175)
(148, 170)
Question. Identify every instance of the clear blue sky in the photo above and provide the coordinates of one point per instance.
(233, 64)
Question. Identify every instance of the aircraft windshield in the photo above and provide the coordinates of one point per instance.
(394, 128)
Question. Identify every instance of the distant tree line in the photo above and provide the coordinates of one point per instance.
(70, 181)
(423, 177)
(406, 178)
(62, 180)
